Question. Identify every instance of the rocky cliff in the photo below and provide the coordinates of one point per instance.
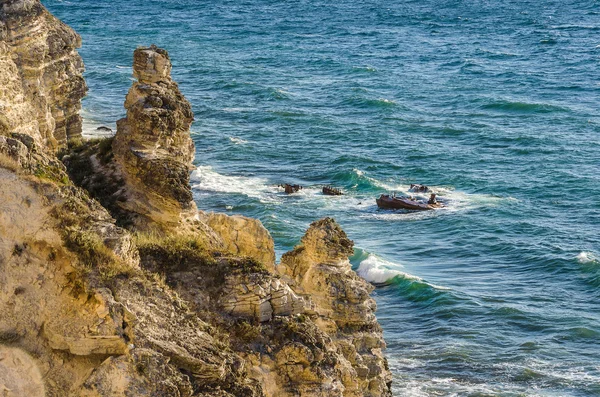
(41, 83)
(319, 270)
(112, 283)
(152, 147)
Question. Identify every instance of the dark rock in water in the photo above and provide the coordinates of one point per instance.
(104, 129)
(419, 188)
(289, 189)
(331, 191)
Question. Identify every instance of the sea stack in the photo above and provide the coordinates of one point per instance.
(152, 145)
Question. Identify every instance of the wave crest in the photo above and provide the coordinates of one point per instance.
(204, 178)
(585, 257)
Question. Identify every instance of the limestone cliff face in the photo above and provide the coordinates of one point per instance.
(142, 174)
(243, 236)
(152, 146)
(319, 269)
(77, 308)
(41, 83)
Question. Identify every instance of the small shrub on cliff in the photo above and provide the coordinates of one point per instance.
(173, 245)
(161, 253)
(94, 255)
(245, 331)
(52, 172)
(8, 163)
(248, 265)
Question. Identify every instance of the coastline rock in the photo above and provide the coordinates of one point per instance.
(243, 236)
(142, 174)
(41, 83)
(319, 270)
(153, 147)
(193, 304)
(260, 298)
(73, 297)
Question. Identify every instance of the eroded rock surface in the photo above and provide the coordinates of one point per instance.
(259, 298)
(320, 270)
(77, 307)
(152, 146)
(243, 236)
(19, 374)
(41, 83)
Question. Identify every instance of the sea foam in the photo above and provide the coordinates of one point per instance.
(585, 257)
(204, 178)
(377, 270)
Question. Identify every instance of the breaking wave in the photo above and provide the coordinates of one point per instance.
(204, 178)
(585, 257)
(379, 271)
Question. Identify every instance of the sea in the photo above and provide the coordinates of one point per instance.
(492, 104)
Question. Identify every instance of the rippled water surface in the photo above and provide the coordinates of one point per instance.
(492, 103)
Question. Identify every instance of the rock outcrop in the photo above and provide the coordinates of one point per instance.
(77, 307)
(319, 269)
(259, 298)
(142, 174)
(41, 83)
(243, 236)
(153, 147)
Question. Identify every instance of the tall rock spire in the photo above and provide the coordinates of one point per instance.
(152, 145)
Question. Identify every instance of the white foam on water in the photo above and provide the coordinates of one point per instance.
(238, 109)
(89, 129)
(204, 178)
(237, 141)
(405, 216)
(377, 270)
(454, 200)
(585, 257)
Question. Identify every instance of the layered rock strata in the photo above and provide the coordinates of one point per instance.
(319, 269)
(142, 175)
(77, 307)
(41, 83)
(152, 146)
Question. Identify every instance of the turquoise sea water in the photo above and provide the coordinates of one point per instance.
(492, 103)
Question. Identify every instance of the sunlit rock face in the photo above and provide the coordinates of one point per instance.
(152, 146)
(319, 269)
(41, 83)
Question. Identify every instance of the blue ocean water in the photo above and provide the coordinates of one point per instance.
(494, 104)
